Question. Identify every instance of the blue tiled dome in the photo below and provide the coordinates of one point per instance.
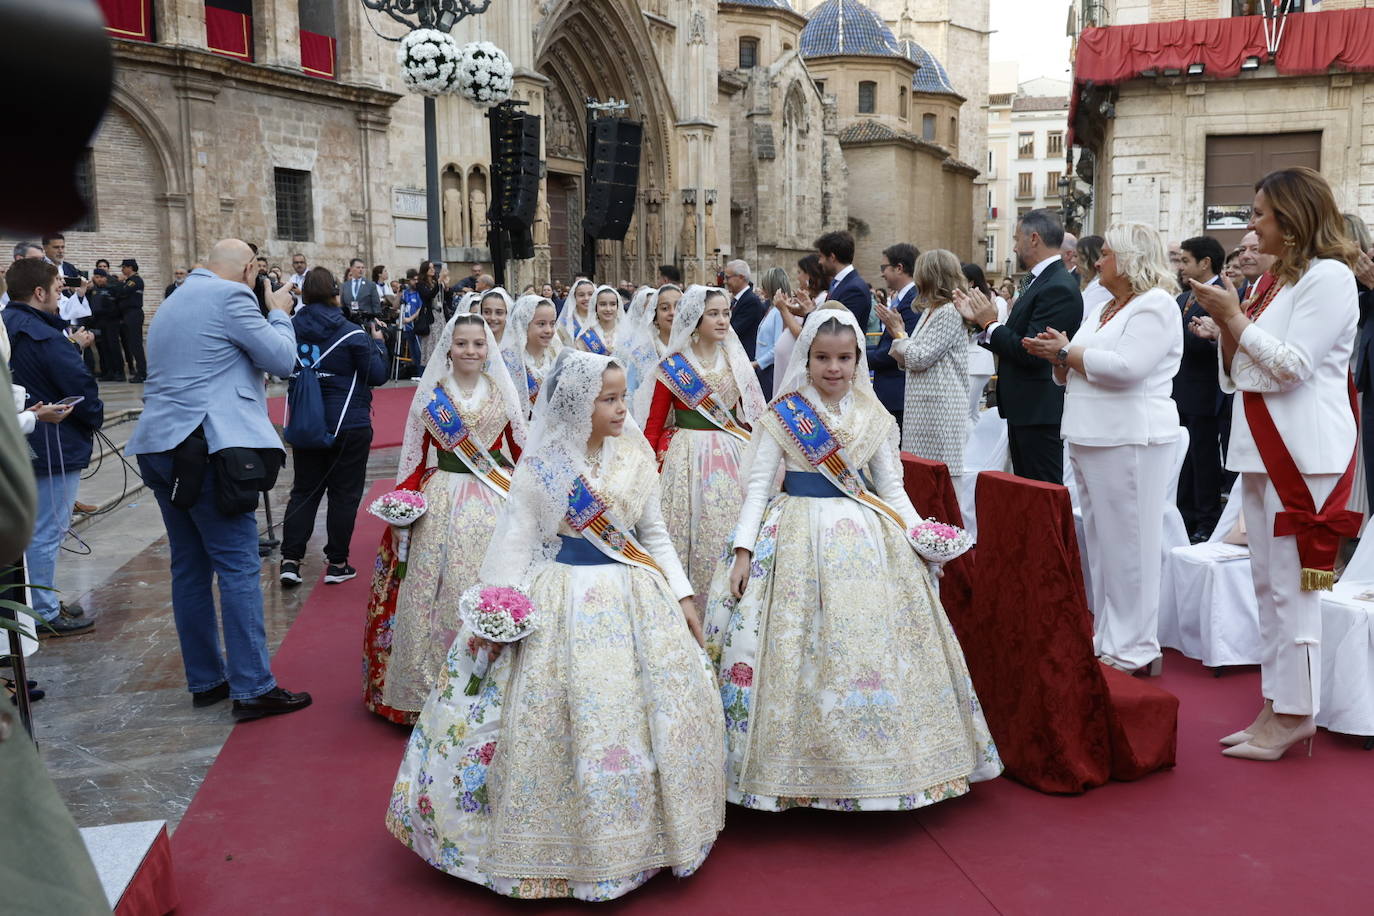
(770, 4)
(931, 76)
(847, 28)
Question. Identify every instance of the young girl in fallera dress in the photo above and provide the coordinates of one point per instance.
(705, 395)
(648, 328)
(843, 684)
(495, 309)
(531, 345)
(577, 310)
(599, 335)
(591, 755)
(464, 409)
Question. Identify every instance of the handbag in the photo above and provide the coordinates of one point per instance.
(241, 474)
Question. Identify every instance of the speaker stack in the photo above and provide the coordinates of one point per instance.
(612, 178)
(516, 169)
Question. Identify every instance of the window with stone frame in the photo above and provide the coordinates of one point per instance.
(85, 189)
(868, 97)
(820, 88)
(748, 53)
(1054, 143)
(1022, 211)
(293, 204)
(991, 258)
(928, 127)
(901, 103)
(1256, 7)
(1025, 145)
(1052, 184)
(1025, 185)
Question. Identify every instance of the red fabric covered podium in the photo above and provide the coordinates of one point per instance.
(1063, 722)
(931, 490)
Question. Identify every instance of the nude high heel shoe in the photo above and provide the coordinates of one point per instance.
(1245, 734)
(1303, 732)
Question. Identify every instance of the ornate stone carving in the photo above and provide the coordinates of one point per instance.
(453, 218)
(653, 229)
(562, 139)
(712, 239)
(541, 220)
(479, 217)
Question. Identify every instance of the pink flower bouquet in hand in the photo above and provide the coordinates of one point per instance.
(400, 509)
(938, 542)
(497, 613)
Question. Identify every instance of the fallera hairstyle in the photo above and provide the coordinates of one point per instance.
(1141, 257)
(1204, 246)
(1045, 223)
(976, 278)
(1358, 231)
(774, 279)
(902, 255)
(938, 275)
(27, 274)
(319, 286)
(466, 320)
(712, 293)
(670, 273)
(839, 245)
(1306, 212)
(831, 327)
(1089, 250)
(810, 266)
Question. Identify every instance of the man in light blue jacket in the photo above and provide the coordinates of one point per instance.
(208, 348)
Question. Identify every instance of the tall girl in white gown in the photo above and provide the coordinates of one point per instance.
(843, 684)
(463, 410)
(705, 395)
(577, 310)
(644, 343)
(599, 335)
(530, 346)
(592, 754)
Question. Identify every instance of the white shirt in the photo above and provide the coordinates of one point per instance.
(843, 272)
(299, 280)
(1035, 275)
(1094, 294)
(1297, 354)
(1123, 396)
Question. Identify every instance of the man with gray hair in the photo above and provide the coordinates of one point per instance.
(1068, 251)
(746, 308)
(21, 250)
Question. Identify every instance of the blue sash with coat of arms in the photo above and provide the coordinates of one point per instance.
(589, 514)
(688, 386)
(446, 425)
(593, 342)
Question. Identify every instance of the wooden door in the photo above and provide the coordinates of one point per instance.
(1235, 163)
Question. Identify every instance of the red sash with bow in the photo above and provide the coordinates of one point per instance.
(1318, 533)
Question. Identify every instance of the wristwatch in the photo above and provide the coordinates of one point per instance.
(1061, 359)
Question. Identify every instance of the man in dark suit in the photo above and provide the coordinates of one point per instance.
(128, 294)
(178, 278)
(836, 253)
(1364, 358)
(746, 308)
(1027, 396)
(889, 379)
(359, 294)
(1198, 396)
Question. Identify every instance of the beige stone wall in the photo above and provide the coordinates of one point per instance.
(843, 75)
(777, 34)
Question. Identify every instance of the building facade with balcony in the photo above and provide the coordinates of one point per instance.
(1026, 136)
(1180, 106)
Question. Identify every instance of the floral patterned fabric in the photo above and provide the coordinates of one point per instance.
(592, 755)
(842, 682)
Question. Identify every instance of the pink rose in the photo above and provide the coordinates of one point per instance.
(485, 752)
(424, 804)
(741, 674)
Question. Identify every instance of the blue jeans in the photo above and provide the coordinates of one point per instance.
(56, 496)
(205, 542)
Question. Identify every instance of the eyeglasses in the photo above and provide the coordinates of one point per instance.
(884, 266)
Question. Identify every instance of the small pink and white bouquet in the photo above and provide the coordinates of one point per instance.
(938, 542)
(400, 509)
(501, 614)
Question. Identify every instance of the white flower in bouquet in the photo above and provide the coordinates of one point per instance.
(496, 613)
(429, 61)
(938, 542)
(399, 507)
(485, 75)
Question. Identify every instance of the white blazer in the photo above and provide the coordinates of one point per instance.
(1094, 294)
(1298, 355)
(1123, 397)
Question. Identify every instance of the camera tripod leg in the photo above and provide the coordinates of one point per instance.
(271, 542)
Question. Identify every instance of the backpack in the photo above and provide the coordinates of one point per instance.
(305, 423)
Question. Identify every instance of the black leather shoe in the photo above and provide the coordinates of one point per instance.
(203, 698)
(62, 625)
(274, 702)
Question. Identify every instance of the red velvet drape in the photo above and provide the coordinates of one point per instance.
(132, 19)
(317, 55)
(932, 492)
(229, 33)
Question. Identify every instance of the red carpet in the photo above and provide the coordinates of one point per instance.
(290, 821)
(389, 408)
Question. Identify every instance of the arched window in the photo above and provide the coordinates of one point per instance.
(868, 97)
(748, 53)
(928, 127)
(901, 103)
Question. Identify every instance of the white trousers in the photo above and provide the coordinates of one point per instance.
(1122, 491)
(976, 384)
(1290, 619)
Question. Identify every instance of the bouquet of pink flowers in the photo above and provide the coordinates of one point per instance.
(497, 613)
(938, 542)
(400, 509)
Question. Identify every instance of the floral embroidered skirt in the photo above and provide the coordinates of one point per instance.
(843, 684)
(590, 757)
(702, 496)
(412, 621)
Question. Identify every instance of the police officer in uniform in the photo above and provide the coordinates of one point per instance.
(106, 324)
(128, 293)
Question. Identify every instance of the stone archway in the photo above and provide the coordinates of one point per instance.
(587, 48)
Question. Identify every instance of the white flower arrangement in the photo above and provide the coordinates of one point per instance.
(429, 62)
(938, 542)
(485, 74)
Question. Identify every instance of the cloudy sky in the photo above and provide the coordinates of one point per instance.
(1031, 32)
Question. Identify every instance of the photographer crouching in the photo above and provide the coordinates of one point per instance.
(206, 449)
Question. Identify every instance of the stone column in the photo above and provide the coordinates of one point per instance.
(277, 34)
(196, 94)
(180, 22)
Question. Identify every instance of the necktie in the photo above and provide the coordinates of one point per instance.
(355, 289)
(1026, 280)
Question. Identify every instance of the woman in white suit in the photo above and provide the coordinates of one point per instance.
(1121, 424)
(1286, 350)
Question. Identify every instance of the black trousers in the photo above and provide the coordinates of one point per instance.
(111, 361)
(338, 471)
(1037, 452)
(1199, 481)
(131, 336)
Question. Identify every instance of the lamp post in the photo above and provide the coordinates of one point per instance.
(442, 15)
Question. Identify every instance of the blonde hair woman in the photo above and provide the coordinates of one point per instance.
(935, 357)
(775, 339)
(1287, 351)
(1121, 424)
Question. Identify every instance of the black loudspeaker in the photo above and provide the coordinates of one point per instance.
(516, 168)
(612, 178)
